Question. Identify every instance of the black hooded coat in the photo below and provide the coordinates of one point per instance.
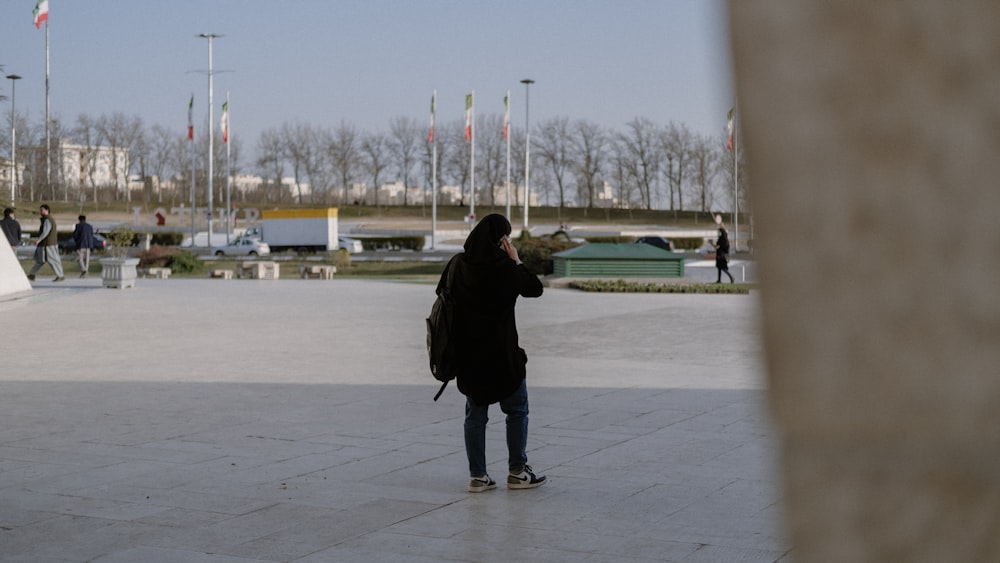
(485, 287)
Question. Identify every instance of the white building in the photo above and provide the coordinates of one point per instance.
(80, 166)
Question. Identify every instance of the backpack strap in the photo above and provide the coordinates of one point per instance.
(445, 290)
(441, 390)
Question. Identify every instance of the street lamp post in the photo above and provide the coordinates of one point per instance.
(527, 151)
(13, 139)
(211, 148)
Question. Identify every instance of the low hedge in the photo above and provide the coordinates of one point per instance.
(179, 261)
(415, 243)
(622, 286)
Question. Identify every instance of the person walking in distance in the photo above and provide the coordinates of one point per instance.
(11, 228)
(722, 251)
(83, 236)
(47, 249)
(488, 278)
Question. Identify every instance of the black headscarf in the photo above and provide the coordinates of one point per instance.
(483, 244)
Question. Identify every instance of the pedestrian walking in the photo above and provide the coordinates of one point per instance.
(722, 251)
(83, 236)
(47, 246)
(11, 227)
(488, 278)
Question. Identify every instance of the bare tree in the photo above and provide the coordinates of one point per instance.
(86, 134)
(122, 134)
(405, 136)
(589, 144)
(641, 158)
(375, 148)
(675, 142)
(295, 142)
(345, 156)
(490, 153)
(271, 161)
(705, 167)
(553, 147)
(455, 155)
(622, 174)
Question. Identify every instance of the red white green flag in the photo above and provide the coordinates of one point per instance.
(224, 122)
(191, 119)
(731, 128)
(506, 116)
(468, 117)
(430, 136)
(41, 13)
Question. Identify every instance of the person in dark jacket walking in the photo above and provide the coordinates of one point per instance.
(722, 252)
(83, 236)
(11, 228)
(488, 279)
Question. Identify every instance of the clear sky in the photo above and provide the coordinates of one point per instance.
(365, 61)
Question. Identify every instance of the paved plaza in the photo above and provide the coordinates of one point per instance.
(230, 421)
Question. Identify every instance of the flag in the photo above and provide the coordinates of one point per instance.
(730, 126)
(224, 122)
(191, 118)
(430, 136)
(506, 116)
(468, 117)
(41, 13)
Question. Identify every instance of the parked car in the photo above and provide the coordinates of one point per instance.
(68, 246)
(656, 241)
(349, 244)
(243, 247)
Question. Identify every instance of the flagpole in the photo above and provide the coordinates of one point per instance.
(191, 151)
(472, 156)
(527, 151)
(434, 199)
(227, 140)
(211, 128)
(506, 133)
(736, 184)
(48, 142)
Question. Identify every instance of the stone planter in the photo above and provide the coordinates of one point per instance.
(119, 273)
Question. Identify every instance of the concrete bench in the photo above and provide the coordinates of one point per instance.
(318, 272)
(224, 274)
(260, 270)
(158, 273)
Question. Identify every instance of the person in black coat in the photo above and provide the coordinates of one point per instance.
(488, 279)
(722, 253)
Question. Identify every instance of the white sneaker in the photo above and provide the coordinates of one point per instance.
(480, 484)
(526, 479)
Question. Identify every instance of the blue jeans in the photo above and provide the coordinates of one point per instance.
(476, 416)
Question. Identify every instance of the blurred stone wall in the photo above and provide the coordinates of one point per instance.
(872, 133)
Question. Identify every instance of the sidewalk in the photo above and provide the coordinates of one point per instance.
(238, 421)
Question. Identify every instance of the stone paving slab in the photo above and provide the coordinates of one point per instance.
(188, 420)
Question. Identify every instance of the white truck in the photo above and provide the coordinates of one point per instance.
(301, 230)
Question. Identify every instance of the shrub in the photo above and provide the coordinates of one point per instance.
(185, 262)
(688, 243)
(166, 239)
(121, 238)
(415, 243)
(622, 286)
(612, 239)
(341, 258)
(536, 253)
(157, 257)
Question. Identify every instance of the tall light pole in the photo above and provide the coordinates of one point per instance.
(13, 139)
(211, 128)
(527, 151)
